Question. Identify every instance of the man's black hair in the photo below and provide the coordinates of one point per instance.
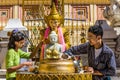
(96, 30)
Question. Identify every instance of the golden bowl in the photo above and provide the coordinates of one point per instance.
(56, 66)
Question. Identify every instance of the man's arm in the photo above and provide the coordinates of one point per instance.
(77, 50)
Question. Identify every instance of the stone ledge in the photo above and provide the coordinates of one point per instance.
(2, 73)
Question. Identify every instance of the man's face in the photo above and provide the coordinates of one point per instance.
(54, 23)
(93, 39)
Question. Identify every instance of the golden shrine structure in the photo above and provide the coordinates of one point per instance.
(56, 69)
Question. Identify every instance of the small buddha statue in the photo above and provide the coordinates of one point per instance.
(53, 49)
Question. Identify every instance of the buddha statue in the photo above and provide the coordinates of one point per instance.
(55, 40)
(54, 21)
(53, 49)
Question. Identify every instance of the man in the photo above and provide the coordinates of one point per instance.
(101, 58)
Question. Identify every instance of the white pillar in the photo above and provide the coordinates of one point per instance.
(117, 29)
(93, 13)
(15, 11)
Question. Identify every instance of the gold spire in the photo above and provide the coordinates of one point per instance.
(53, 10)
(54, 15)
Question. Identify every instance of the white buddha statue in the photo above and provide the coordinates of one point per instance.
(53, 49)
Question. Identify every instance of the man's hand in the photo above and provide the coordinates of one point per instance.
(64, 56)
(97, 73)
(90, 69)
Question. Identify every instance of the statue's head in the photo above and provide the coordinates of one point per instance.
(53, 37)
(54, 19)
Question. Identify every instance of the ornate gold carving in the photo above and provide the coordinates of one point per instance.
(57, 76)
